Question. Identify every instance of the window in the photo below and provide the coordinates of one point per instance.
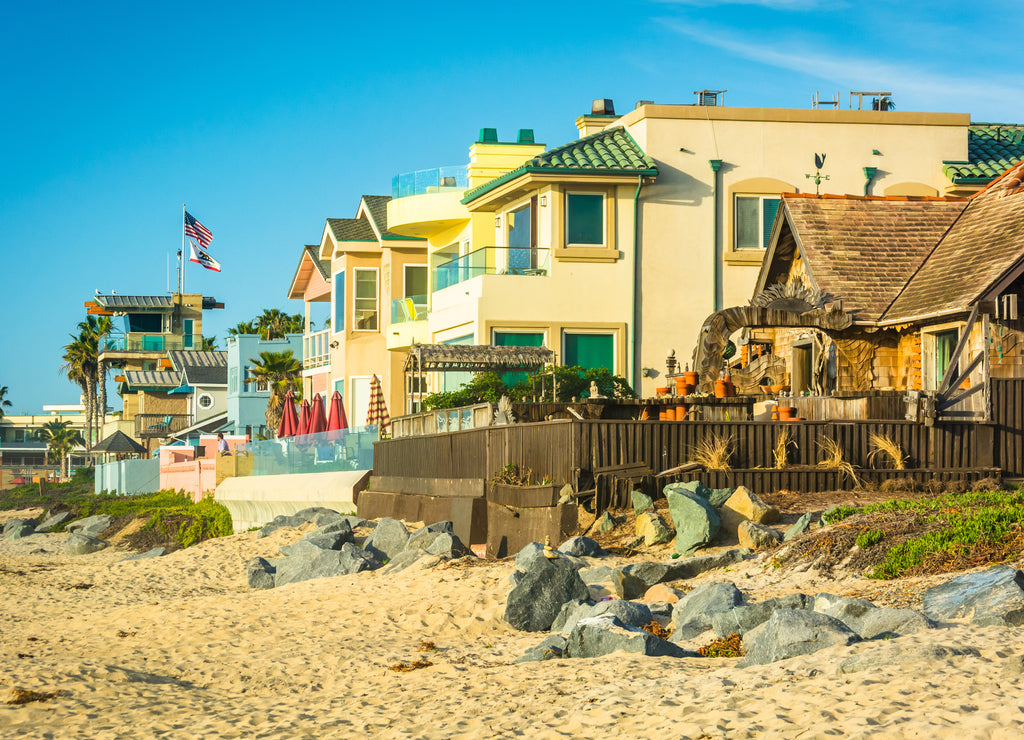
(589, 351)
(415, 281)
(338, 286)
(364, 303)
(584, 218)
(205, 401)
(945, 343)
(517, 339)
(233, 380)
(452, 381)
(937, 347)
(755, 215)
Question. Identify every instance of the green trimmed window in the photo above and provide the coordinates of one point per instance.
(755, 215)
(590, 351)
(584, 218)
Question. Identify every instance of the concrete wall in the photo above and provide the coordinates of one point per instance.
(128, 476)
(255, 500)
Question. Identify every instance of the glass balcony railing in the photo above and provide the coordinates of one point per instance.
(410, 308)
(316, 349)
(492, 261)
(140, 342)
(436, 180)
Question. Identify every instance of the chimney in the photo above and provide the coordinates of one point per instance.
(602, 114)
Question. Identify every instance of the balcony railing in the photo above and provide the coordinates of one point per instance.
(140, 342)
(436, 180)
(160, 425)
(316, 351)
(492, 261)
(410, 308)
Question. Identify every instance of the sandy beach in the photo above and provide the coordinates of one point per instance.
(179, 646)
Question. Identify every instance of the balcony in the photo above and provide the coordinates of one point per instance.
(492, 261)
(427, 202)
(436, 180)
(142, 342)
(316, 349)
(410, 308)
(408, 323)
(160, 425)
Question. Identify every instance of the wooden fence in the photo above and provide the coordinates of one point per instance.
(1008, 422)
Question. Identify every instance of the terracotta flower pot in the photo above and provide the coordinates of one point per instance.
(680, 384)
(787, 413)
(681, 410)
(687, 389)
(730, 388)
(692, 377)
(662, 391)
(720, 388)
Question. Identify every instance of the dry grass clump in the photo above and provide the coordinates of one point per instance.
(988, 484)
(833, 458)
(714, 452)
(898, 485)
(656, 629)
(889, 450)
(935, 486)
(728, 647)
(780, 452)
(406, 667)
(27, 696)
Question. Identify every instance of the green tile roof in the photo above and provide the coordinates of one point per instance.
(992, 148)
(351, 230)
(608, 152)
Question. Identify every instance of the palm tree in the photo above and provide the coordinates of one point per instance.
(281, 372)
(95, 328)
(274, 323)
(209, 343)
(243, 327)
(80, 366)
(61, 440)
(3, 400)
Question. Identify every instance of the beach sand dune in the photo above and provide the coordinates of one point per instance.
(178, 646)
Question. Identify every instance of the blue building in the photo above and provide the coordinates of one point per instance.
(247, 402)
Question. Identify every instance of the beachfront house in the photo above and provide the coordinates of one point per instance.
(247, 401)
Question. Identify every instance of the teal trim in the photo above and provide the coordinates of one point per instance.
(716, 165)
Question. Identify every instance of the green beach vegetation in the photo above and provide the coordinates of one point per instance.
(573, 382)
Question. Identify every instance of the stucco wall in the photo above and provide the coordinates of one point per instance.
(128, 476)
(255, 500)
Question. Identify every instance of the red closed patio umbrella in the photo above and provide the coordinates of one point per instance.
(336, 419)
(289, 425)
(318, 417)
(304, 415)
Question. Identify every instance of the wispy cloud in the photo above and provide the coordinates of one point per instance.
(914, 83)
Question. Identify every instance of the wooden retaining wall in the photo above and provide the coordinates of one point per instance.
(1008, 421)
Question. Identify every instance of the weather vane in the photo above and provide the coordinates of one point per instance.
(819, 162)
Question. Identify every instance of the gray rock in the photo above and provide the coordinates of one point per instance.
(895, 653)
(661, 611)
(388, 539)
(91, 526)
(693, 486)
(323, 564)
(627, 612)
(719, 496)
(581, 547)
(651, 573)
(757, 536)
(824, 514)
(606, 523)
(992, 596)
(260, 573)
(340, 527)
(605, 634)
(603, 580)
(550, 648)
(536, 600)
(54, 521)
(742, 619)
(641, 502)
(653, 529)
(693, 613)
(566, 494)
(156, 552)
(568, 613)
(792, 632)
(851, 612)
(83, 544)
(798, 528)
(319, 515)
(15, 529)
(696, 521)
(404, 559)
(534, 550)
(422, 538)
(317, 541)
(447, 546)
(885, 623)
(357, 559)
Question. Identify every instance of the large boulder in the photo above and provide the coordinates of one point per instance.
(581, 547)
(992, 596)
(319, 515)
(692, 486)
(91, 526)
(695, 520)
(719, 496)
(551, 647)
(627, 612)
(15, 529)
(744, 618)
(651, 572)
(605, 523)
(757, 536)
(745, 505)
(798, 527)
(605, 634)
(83, 544)
(53, 521)
(447, 546)
(885, 654)
(869, 621)
(533, 550)
(659, 593)
(546, 584)
(653, 529)
(388, 539)
(424, 537)
(323, 564)
(641, 502)
(792, 632)
(693, 613)
(316, 540)
(260, 573)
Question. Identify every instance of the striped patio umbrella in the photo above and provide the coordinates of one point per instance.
(318, 417)
(378, 411)
(304, 416)
(336, 419)
(289, 425)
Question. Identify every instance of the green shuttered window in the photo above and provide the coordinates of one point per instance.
(584, 218)
(590, 351)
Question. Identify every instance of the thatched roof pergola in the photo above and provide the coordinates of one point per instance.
(120, 444)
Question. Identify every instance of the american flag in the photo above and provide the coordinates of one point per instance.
(197, 231)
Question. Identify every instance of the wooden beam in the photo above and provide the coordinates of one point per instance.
(954, 359)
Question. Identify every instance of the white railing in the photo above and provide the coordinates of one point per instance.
(316, 350)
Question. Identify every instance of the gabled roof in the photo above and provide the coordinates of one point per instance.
(984, 248)
(134, 301)
(154, 379)
(181, 358)
(351, 230)
(609, 152)
(377, 208)
(861, 249)
(992, 149)
(205, 375)
(308, 263)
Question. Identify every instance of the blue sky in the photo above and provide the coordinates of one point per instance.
(267, 119)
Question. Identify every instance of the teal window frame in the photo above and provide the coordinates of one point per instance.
(338, 286)
(585, 219)
(572, 351)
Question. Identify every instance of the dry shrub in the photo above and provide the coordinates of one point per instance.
(728, 647)
(898, 485)
(935, 486)
(714, 452)
(957, 486)
(656, 629)
(833, 458)
(987, 484)
(889, 450)
(783, 441)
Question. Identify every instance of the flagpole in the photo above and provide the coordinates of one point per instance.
(181, 286)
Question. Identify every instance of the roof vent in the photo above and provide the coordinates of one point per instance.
(525, 136)
(709, 97)
(602, 107)
(644, 102)
(488, 136)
